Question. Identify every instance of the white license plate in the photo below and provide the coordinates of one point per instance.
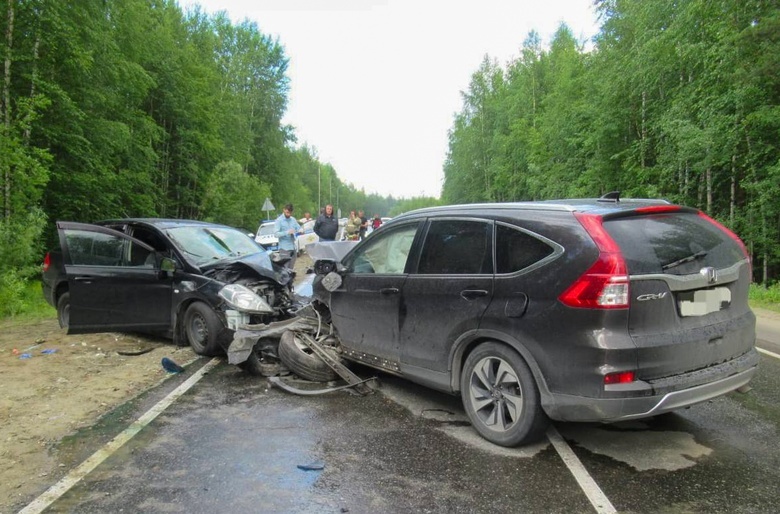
(706, 301)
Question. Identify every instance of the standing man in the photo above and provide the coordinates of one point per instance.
(285, 228)
(326, 225)
(363, 224)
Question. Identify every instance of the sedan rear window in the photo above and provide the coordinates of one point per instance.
(676, 244)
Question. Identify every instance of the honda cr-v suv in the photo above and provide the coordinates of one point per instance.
(576, 310)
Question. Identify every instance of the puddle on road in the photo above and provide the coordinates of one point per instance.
(636, 445)
(633, 443)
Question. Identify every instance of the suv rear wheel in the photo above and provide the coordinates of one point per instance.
(500, 396)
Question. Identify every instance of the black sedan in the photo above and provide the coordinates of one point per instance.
(192, 281)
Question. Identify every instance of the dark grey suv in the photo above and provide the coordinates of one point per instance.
(574, 310)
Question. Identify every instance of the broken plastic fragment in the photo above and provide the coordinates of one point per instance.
(170, 366)
(314, 466)
(49, 351)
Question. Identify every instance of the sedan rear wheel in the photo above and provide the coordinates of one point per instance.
(202, 328)
(63, 310)
(500, 396)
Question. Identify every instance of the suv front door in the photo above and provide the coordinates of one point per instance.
(114, 281)
(365, 307)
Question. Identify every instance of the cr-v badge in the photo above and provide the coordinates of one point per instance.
(650, 296)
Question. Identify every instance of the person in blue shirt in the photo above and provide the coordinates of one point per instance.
(285, 228)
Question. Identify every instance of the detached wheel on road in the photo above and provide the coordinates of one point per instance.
(63, 310)
(202, 327)
(257, 366)
(302, 361)
(500, 396)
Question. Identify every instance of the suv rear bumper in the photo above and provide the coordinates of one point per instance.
(578, 408)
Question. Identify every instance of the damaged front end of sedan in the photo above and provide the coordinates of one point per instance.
(303, 342)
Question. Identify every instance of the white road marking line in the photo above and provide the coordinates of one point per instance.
(593, 492)
(767, 352)
(83, 469)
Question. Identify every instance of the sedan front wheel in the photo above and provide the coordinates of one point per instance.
(202, 327)
(500, 396)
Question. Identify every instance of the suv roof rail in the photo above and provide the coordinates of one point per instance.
(612, 196)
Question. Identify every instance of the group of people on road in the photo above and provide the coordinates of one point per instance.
(326, 227)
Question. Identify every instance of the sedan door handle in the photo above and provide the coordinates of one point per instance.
(83, 279)
(389, 290)
(473, 294)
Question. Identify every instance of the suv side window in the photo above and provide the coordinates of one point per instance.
(516, 250)
(457, 247)
(385, 253)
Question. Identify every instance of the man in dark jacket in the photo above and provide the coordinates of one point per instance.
(326, 225)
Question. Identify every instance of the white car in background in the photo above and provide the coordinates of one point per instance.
(266, 236)
(308, 237)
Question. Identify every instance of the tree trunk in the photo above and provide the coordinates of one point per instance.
(9, 39)
(644, 128)
(33, 80)
(733, 199)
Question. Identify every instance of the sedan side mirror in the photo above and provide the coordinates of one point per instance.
(167, 264)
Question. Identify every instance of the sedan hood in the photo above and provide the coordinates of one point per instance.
(257, 264)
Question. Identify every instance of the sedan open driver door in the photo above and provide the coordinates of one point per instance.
(114, 281)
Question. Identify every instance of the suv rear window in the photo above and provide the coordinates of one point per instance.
(676, 244)
(516, 250)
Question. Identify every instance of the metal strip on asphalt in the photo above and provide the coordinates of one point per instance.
(593, 492)
(767, 352)
(83, 469)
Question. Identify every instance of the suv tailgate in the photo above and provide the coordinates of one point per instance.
(689, 290)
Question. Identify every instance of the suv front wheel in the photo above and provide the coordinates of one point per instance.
(500, 396)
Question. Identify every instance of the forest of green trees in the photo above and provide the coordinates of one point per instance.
(137, 108)
(678, 99)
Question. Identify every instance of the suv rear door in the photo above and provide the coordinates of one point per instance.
(114, 281)
(688, 281)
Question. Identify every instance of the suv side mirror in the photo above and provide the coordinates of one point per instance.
(324, 266)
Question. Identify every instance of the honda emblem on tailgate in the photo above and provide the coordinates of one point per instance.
(710, 273)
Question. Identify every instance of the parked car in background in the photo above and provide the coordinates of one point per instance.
(308, 237)
(574, 310)
(192, 281)
(266, 236)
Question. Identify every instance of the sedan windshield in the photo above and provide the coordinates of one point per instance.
(206, 244)
(266, 230)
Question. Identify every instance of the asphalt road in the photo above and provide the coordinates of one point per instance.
(232, 444)
(768, 330)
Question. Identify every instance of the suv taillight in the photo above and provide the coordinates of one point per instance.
(605, 284)
(46, 262)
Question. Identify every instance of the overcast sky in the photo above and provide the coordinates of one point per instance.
(374, 84)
